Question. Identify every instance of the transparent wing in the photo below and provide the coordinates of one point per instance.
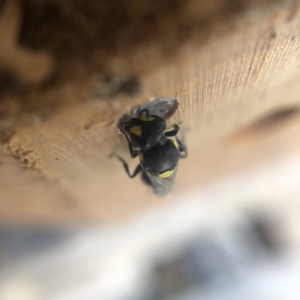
(161, 186)
(162, 107)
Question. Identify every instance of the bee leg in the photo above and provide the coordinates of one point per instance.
(137, 170)
(182, 147)
(172, 132)
(133, 152)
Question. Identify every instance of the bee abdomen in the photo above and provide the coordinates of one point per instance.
(161, 159)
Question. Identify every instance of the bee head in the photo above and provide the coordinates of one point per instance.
(146, 130)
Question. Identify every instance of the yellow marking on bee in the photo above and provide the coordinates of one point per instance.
(141, 156)
(144, 119)
(136, 130)
(176, 144)
(166, 174)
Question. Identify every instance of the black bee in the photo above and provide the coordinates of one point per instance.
(162, 107)
(145, 134)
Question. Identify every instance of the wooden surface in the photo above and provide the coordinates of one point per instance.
(237, 79)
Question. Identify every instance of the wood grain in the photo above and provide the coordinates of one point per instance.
(56, 169)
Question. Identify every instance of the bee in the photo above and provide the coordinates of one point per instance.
(162, 107)
(144, 130)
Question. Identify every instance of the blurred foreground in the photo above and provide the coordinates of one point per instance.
(236, 239)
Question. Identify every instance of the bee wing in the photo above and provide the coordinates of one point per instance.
(161, 186)
(162, 107)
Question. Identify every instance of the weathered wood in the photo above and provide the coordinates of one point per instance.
(56, 168)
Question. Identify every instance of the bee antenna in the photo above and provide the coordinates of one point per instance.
(147, 113)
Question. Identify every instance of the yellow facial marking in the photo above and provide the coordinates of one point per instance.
(166, 174)
(145, 119)
(141, 156)
(136, 130)
(176, 144)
